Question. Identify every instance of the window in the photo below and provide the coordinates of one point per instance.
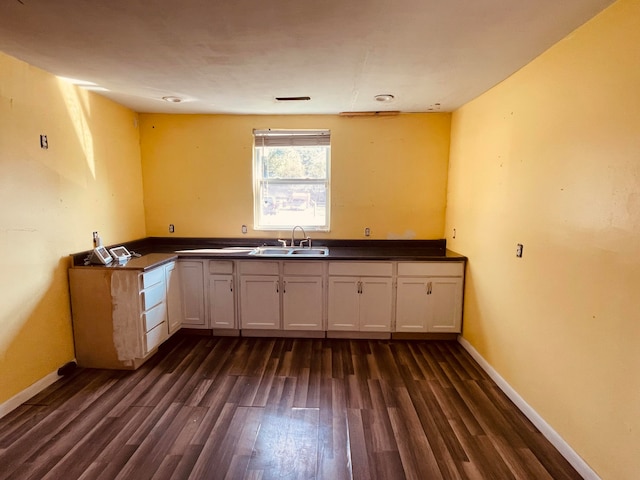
(291, 171)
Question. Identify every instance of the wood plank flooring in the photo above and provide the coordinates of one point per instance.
(243, 408)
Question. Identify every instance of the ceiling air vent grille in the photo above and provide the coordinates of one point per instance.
(292, 99)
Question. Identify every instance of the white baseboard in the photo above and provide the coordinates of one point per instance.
(18, 399)
(550, 434)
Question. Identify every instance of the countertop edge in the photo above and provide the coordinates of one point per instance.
(159, 250)
(142, 263)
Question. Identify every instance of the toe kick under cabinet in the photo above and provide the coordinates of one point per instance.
(121, 316)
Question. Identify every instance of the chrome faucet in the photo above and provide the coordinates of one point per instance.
(293, 233)
(307, 241)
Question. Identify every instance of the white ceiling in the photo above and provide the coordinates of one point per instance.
(236, 56)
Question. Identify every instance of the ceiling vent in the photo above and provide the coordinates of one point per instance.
(292, 99)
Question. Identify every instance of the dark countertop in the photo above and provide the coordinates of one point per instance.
(143, 263)
(337, 253)
(158, 250)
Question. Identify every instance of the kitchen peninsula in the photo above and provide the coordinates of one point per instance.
(348, 289)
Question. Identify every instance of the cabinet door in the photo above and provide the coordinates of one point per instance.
(413, 305)
(302, 303)
(222, 310)
(260, 301)
(174, 303)
(446, 297)
(344, 307)
(192, 289)
(375, 304)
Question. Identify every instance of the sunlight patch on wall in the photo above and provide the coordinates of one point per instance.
(79, 114)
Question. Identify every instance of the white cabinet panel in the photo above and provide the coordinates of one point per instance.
(344, 303)
(427, 302)
(302, 303)
(431, 269)
(375, 304)
(154, 317)
(174, 298)
(379, 269)
(192, 289)
(154, 294)
(155, 337)
(152, 277)
(447, 305)
(260, 301)
(413, 305)
(360, 303)
(222, 310)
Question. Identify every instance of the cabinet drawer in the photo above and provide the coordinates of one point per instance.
(303, 268)
(156, 336)
(382, 269)
(430, 269)
(152, 296)
(152, 277)
(154, 317)
(259, 268)
(220, 266)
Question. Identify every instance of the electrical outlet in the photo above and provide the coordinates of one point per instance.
(44, 143)
(519, 250)
(367, 232)
(171, 228)
(244, 229)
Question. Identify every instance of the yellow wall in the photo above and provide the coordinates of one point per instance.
(50, 201)
(550, 158)
(388, 173)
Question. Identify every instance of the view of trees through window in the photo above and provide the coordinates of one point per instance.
(292, 183)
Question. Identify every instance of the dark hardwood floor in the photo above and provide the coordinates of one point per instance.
(241, 408)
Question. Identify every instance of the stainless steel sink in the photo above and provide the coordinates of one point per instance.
(268, 251)
(313, 251)
(205, 251)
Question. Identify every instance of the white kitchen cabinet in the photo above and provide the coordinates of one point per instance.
(153, 306)
(281, 295)
(193, 293)
(376, 304)
(344, 303)
(446, 314)
(360, 296)
(222, 300)
(174, 297)
(259, 295)
(260, 301)
(429, 297)
(120, 316)
(303, 296)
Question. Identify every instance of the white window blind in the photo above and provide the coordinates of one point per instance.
(291, 179)
(284, 138)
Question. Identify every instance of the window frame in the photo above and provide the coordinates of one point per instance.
(289, 138)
